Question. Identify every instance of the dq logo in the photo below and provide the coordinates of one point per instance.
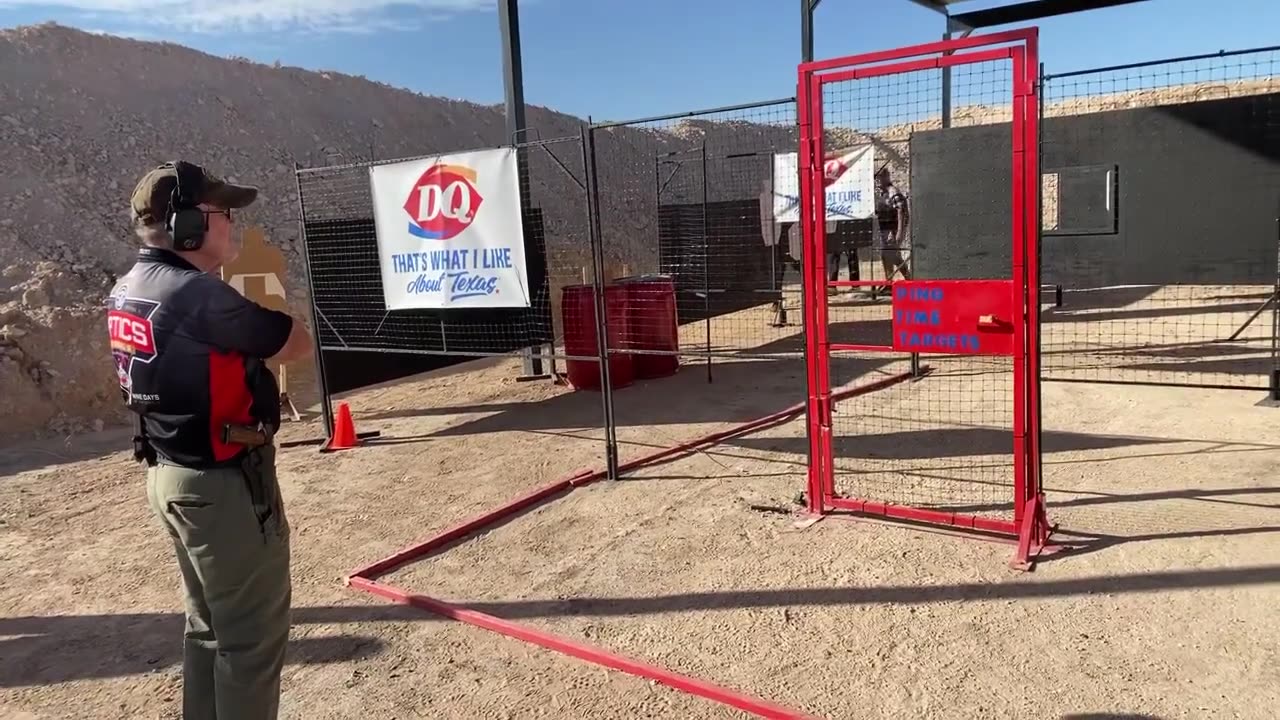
(443, 202)
(832, 170)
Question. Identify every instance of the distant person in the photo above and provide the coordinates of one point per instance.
(189, 354)
(839, 244)
(893, 217)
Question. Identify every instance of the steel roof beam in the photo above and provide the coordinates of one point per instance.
(1028, 11)
(934, 5)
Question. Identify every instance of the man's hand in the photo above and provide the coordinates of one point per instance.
(297, 346)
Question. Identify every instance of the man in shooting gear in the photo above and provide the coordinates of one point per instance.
(893, 217)
(190, 354)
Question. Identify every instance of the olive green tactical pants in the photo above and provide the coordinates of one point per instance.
(232, 541)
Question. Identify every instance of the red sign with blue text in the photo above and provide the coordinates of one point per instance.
(956, 317)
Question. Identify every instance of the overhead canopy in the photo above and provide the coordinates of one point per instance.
(962, 22)
(1011, 12)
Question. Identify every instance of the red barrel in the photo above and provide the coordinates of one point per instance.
(652, 324)
(578, 313)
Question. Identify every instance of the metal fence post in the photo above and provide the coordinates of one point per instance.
(601, 306)
(706, 261)
(326, 405)
(1275, 319)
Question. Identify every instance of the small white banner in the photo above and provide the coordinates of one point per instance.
(850, 179)
(449, 231)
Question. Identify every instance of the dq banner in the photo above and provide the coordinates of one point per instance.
(449, 231)
(850, 185)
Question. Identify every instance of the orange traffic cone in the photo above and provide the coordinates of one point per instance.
(344, 430)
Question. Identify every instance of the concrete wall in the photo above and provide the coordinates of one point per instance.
(1196, 196)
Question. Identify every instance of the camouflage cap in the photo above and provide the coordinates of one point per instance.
(150, 202)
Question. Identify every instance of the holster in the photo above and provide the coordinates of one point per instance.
(142, 449)
(254, 438)
(261, 492)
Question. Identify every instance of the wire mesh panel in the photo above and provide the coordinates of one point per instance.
(703, 276)
(943, 441)
(346, 281)
(921, 364)
(687, 208)
(1161, 199)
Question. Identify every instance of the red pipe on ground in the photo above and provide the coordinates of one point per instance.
(582, 477)
(937, 517)
(590, 653)
(363, 578)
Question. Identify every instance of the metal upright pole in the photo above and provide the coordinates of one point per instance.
(657, 209)
(806, 29)
(322, 377)
(706, 261)
(513, 83)
(601, 304)
(776, 283)
(806, 55)
(954, 29)
(813, 458)
(946, 84)
(1275, 323)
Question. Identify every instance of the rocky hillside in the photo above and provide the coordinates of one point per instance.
(82, 116)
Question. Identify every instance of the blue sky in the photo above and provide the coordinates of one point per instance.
(616, 59)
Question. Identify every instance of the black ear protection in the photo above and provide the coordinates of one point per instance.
(186, 221)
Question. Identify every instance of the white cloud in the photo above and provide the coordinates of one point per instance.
(261, 15)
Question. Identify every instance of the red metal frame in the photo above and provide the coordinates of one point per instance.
(934, 63)
(859, 283)
(1029, 522)
(365, 578)
(1024, 35)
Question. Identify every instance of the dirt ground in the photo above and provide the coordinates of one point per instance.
(1166, 611)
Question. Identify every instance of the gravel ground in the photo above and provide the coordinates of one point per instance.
(695, 565)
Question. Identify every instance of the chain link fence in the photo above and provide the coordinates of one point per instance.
(702, 280)
(1161, 222)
